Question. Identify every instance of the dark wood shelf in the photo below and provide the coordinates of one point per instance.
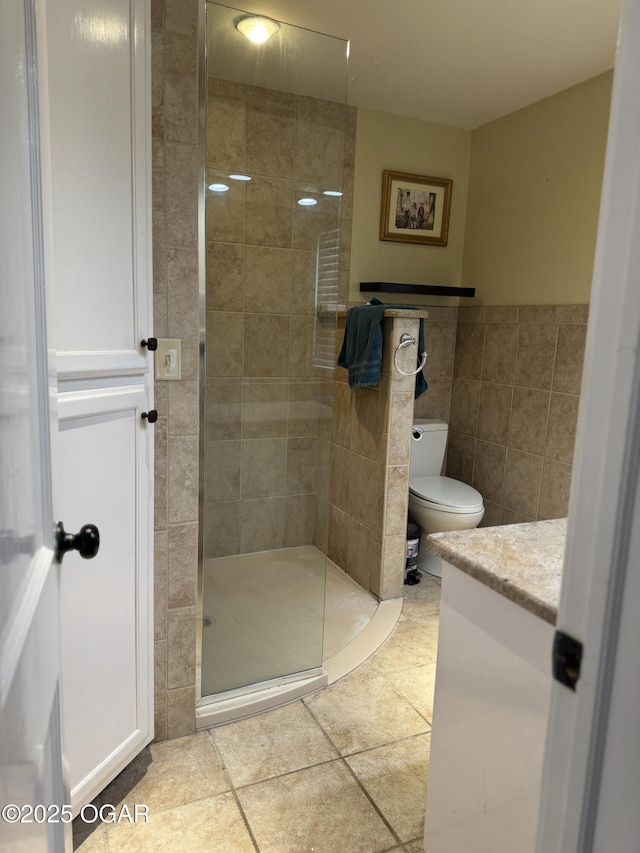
(427, 289)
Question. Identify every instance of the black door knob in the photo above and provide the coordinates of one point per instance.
(86, 542)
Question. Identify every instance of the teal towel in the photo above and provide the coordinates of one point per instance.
(361, 352)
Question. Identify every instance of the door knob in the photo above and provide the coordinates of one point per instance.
(86, 542)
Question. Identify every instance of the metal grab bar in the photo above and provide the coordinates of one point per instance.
(407, 341)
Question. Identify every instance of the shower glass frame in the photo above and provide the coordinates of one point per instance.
(313, 671)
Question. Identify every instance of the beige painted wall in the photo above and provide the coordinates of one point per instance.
(385, 141)
(534, 194)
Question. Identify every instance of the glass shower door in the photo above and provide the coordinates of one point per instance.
(275, 119)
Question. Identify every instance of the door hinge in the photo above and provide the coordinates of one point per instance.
(567, 659)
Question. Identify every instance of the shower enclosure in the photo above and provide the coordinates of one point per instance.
(273, 139)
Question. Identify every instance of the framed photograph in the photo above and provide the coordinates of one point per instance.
(415, 209)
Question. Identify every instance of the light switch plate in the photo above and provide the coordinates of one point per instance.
(168, 359)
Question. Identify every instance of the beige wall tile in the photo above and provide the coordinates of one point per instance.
(529, 414)
(567, 376)
(181, 16)
(304, 283)
(263, 524)
(301, 348)
(338, 537)
(181, 647)
(397, 500)
(160, 575)
(359, 543)
(264, 464)
(400, 422)
(301, 521)
(182, 194)
(184, 406)
(266, 345)
(319, 141)
(494, 411)
(572, 314)
(225, 276)
(342, 423)
(314, 222)
(554, 490)
(469, 348)
(510, 517)
(225, 211)
(304, 408)
(301, 461)
(270, 140)
(436, 400)
(561, 429)
(367, 422)
(181, 88)
(264, 409)
(460, 456)
(267, 280)
(465, 400)
(492, 515)
(183, 556)
(365, 492)
(488, 472)
(500, 347)
(225, 344)
(394, 556)
(471, 314)
(181, 720)
(339, 489)
(537, 314)
(222, 529)
(223, 411)
(226, 121)
(269, 207)
(222, 470)
(321, 529)
(160, 690)
(161, 474)
(182, 298)
(522, 482)
(502, 315)
(440, 343)
(183, 478)
(536, 355)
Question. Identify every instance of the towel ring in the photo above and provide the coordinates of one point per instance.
(407, 341)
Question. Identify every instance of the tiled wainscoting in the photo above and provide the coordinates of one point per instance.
(514, 405)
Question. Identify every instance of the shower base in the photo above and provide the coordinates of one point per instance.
(355, 625)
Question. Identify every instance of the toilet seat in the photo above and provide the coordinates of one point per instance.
(445, 494)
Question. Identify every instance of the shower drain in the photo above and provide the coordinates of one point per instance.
(208, 621)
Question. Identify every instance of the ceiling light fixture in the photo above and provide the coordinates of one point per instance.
(240, 177)
(257, 29)
(332, 193)
(218, 188)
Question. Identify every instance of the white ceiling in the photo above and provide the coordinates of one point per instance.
(459, 62)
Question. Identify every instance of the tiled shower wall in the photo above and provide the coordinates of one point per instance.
(268, 421)
(175, 283)
(514, 405)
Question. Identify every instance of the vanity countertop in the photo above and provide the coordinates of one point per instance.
(523, 562)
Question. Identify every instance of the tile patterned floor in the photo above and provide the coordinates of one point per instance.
(342, 771)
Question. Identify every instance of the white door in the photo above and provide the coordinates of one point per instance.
(591, 787)
(32, 789)
(100, 128)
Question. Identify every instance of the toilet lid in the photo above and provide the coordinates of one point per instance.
(451, 495)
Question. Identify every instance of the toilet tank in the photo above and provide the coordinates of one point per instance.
(428, 444)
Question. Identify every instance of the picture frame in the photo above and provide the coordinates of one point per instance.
(415, 208)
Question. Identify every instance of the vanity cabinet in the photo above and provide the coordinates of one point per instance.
(493, 688)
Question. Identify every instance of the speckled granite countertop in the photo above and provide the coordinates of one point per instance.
(523, 562)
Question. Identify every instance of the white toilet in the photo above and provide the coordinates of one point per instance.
(438, 504)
